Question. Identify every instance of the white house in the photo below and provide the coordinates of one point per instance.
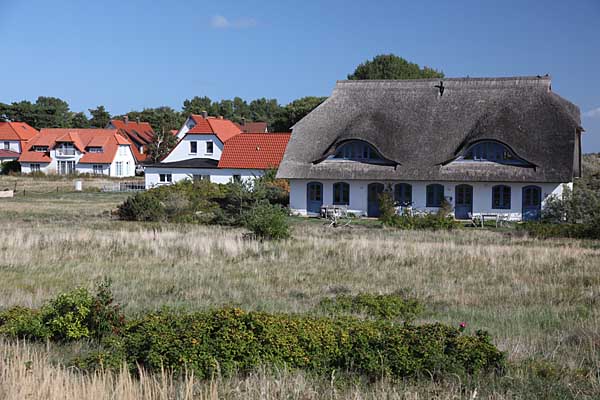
(216, 149)
(486, 145)
(84, 151)
(13, 138)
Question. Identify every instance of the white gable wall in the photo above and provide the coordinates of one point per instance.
(125, 157)
(152, 174)
(182, 150)
(13, 145)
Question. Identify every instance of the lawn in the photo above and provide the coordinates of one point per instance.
(540, 300)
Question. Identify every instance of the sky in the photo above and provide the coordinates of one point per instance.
(127, 55)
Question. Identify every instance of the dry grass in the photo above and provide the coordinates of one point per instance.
(539, 299)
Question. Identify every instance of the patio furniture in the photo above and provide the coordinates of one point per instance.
(337, 215)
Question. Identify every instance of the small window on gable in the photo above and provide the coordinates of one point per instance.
(357, 150)
(193, 147)
(491, 151)
(209, 147)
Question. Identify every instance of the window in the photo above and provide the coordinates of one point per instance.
(403, 194)
(193, 147)
(435, 195)
(35, 167)
(95, 149)
(122, 150)
(97, 169)
(41, 149)
(165, 178)
(119, 168)
(357, 151)
(209, 147)
(237, 178)
(341, 193)
(6, 145)
(66, 149)
(198, 178)
(126, 168)
(491, 151)
(501, 197)
(66, 167)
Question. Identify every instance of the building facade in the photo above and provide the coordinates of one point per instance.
(484, 145)
(13, 138)
(79, 151)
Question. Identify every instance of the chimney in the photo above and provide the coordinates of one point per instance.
(220, 117)
(204, 114)
(243, 121)
(137, 120)
(126, 119)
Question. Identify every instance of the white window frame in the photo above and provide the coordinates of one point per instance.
(98, 169)
(122, 150)
(194, 143)
(212, 147)
(35, 167)
(6, 145)
(119, 168)
(165, 178)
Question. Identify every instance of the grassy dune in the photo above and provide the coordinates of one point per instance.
(540, 300)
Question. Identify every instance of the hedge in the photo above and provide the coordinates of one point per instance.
(229, 340)
(549, 230)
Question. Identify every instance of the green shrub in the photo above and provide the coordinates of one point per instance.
(267, 221)
(580, 205)
(381, 306)
(230, 340)
(387, 207)
(10, 167)
(144, 206)
(70, 316)
(544, 230)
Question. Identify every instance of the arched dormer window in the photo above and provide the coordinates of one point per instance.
(357, 150)
(493, 152)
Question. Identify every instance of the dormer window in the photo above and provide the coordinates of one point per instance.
(40, 149)
(357, 150)
(492, 152)
(94, 149)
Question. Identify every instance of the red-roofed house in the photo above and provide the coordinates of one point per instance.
(216, 149)
(13, 138)
(84, 151)
(140, 134)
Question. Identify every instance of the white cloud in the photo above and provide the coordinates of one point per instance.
(594, 113)
(220, 22)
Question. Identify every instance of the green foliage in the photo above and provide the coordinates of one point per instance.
(143, 206)
(229, 341)
(161, 145)
(162, 119)
(428, 221)
(389, 66)
(544, 230)
(100, 117)
(267, 221)
(380, 306)
(287, 116)
(70, 316)
(387, 207)
(10, 167)
(582, 205)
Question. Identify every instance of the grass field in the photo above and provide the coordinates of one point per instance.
(540, 300)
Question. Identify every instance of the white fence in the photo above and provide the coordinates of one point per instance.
(134, 186)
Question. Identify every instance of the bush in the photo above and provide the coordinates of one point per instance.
(387, 207)
(544, 230)
(383, 306)
(143, 206)
(578, 206)
(10, 167)
(230, 340)
(70, 316)
(267, 221)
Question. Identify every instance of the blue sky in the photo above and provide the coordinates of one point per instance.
(134, 54)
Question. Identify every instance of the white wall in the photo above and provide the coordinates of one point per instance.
(89, 168)
(26, 167)
(216, 175)
(13, 145)
(482, 195)
(128, 162)
(182, 150)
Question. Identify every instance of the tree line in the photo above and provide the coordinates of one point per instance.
(53, 112)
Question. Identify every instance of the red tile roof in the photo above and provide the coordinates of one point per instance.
(254, 151)
(8, 154)
(254, 127)
(140, 132)
(224, 129)
(16, 131)
(108, 139)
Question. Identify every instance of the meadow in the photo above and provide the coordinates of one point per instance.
(540, 300)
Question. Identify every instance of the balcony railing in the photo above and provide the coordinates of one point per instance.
(65, 152)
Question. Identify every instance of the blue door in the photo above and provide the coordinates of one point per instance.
(463, 201)
(314, 197)
(532, 203)
(374, 192)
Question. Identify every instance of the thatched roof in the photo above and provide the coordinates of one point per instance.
(421, 131)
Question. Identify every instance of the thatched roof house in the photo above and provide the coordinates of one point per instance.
(425, 130)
